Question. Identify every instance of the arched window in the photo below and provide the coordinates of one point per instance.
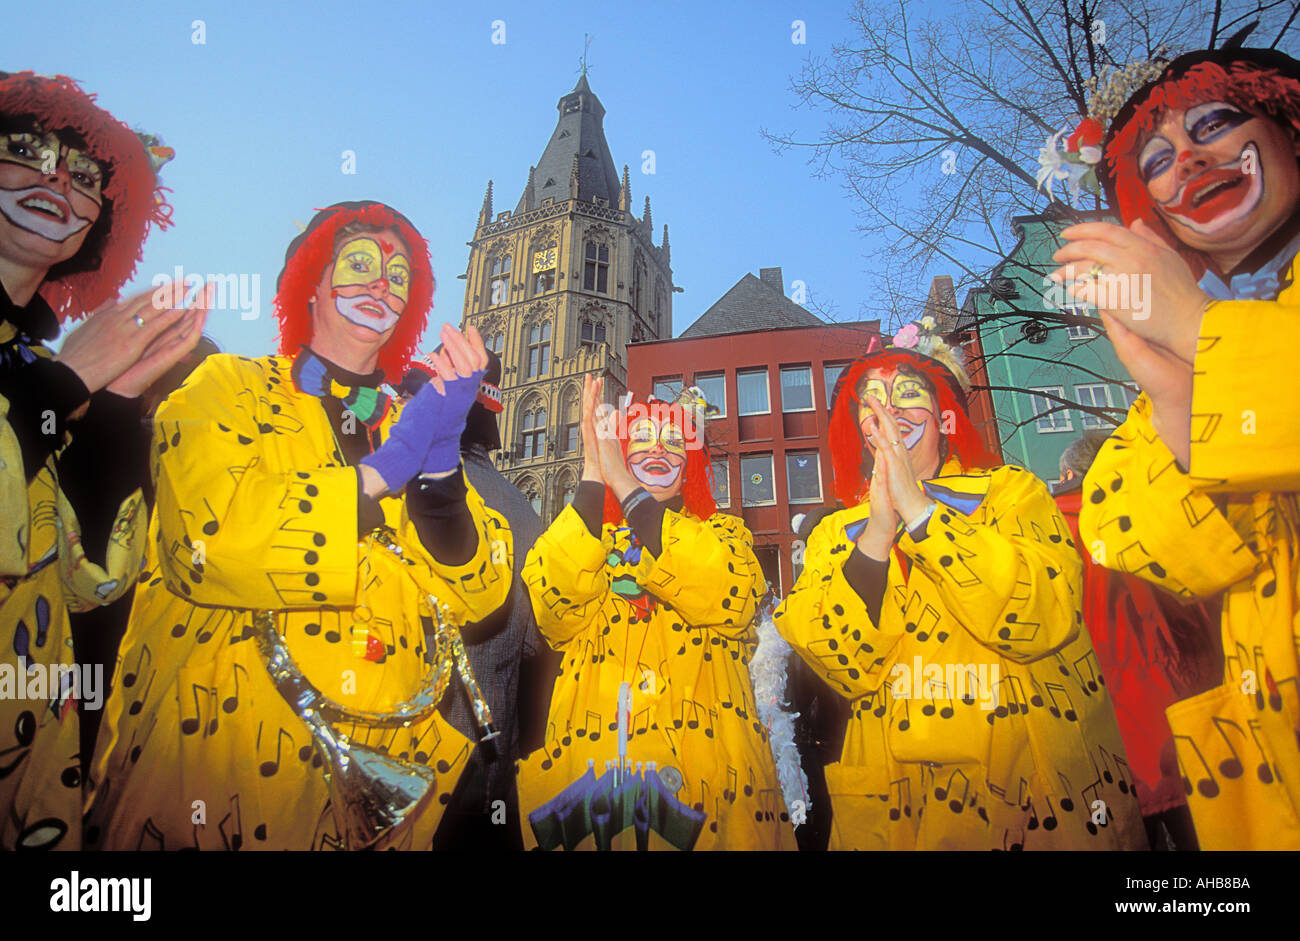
(539, 350)
(592, 333)
(532, 493)
(570, 427)
(499, 281)
(565, 488)
(595, 272)
(534, 433)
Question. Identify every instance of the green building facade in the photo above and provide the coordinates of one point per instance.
(1051, 369)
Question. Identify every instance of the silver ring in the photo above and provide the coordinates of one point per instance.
(139, 321)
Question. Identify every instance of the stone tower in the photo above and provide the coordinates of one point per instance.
(559, 287)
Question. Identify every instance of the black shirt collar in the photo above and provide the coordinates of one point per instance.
(36, 320)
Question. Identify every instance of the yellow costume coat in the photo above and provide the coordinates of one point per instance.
(258, 510)
(686, 659)
(44, 575)
(1231, 526)
(928, 764)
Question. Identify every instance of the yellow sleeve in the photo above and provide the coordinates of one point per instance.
(826, 621)
(86, 584)
(1245, 416)
(1140, 514)
(233, 533)
(475, 589)
(708, 572)
(567, 578)
(15, 510)
(1014, 582)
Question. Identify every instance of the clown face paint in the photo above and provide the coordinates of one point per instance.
(656, 456)
(905, 394)
(33, 194)
(1223, 178)
(371, 281)
(914, 407)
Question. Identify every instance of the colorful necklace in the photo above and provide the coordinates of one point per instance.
(312, 375)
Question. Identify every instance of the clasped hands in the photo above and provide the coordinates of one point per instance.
(426, 438)
(602, 455)
(1156, 340)
(896, 495)
(124, 347)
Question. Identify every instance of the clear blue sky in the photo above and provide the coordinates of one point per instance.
(261, 113)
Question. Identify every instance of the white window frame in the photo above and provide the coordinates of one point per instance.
(714, 375)
(725, 470)
(771, 467)
(1078, 331)
(830, 386)
(812, 389)
(767, 382)
(680, 379)
(817, 462)
(1086, 420)
(1063, 411)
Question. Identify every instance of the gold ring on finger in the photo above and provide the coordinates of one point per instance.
(1095, 269)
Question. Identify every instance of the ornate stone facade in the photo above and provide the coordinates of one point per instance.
(559, 287)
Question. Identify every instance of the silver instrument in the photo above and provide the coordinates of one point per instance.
(372, 795)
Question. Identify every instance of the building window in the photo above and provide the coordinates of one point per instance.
(533, 494)
(1096, 395)
(638, 280)
(566, 490)
(796, 389)
(831, 373)
(714, 387)
(803, 476)
(595, 272)
(722, 482)
(539, 350)
(667, 388)
(1052, 416)
(751, 388)
(661, 309)
(534, 434)
(1078, 331)
(592, 334)
(757, 487)
(496, 342)
(570, 422)
(499, 278)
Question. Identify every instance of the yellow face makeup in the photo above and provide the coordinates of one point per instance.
(43, 153)
(907, 392)
(361, 259)
(645, 434)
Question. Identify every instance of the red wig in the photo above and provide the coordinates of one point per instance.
(310, 254)
(133, 200)
(1256, 81)
(849, 456)
(697, 481)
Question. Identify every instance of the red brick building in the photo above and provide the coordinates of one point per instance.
(770, 367)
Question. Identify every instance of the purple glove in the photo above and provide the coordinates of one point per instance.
(427, 436)
(444, 444)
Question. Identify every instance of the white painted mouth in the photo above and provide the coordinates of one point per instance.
(351, 309)
(41, 211)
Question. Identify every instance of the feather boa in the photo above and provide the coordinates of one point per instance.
(767, 671)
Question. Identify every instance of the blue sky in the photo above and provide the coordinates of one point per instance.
(261, 113)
